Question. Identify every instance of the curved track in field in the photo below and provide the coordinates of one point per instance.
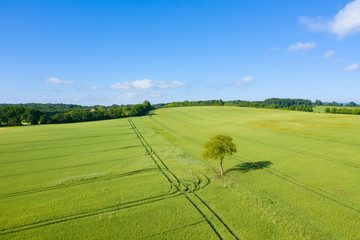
(285, 177)
(177, 188)
(211, 217)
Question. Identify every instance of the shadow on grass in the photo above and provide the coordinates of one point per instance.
(150, 114)
(249, 166)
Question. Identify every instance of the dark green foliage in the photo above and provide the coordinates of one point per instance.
(352, 104)
(49, 109)
(15, 115)
(101, 113)
(190, 104)
(335, 104)
(276, 103)
(353, 111)
(286, 102)
(44, 119)
(32, 116)
(318, 103)
(12, 116)
(309, 109)
(292, 108)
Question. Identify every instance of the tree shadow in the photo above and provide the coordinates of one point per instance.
(150, 114)
(249, 166)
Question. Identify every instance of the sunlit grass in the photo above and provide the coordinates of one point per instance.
(295, 176)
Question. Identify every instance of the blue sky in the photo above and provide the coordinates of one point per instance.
(120, 52)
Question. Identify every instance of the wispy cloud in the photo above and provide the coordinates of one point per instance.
(146, 84)
(352, 67)
(93, 88)
(245, 80)
(345, 22)
(316, 23)
(58, 81)
(302, 46)
(329, 53)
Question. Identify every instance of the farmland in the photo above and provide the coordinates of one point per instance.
(295, 176)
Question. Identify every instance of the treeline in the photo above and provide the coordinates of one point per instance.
(33, 113)
(194, 103)
(16, 115)
(19, 115)
(335, 104)
(275, 103)
(355, 111)
(51, 109)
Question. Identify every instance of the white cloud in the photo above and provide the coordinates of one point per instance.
(58, 81)
(302, 46)
(315, 24)
(142, 84)
(345, 22)
(146, 84)
(121, 85)
(244, 80)
(93, 88)
(352, 67)
(329, 53)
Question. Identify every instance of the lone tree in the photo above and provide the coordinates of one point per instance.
(217, 147)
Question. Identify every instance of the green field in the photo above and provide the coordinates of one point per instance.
(295, 175)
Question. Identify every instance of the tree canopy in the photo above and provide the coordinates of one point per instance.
(16, 115)
(218, 147)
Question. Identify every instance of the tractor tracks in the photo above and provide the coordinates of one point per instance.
(285, 177)
(220, 228)
(108, 209)
(76, 183)
(177, 188)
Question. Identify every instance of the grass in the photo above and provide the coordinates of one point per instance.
(295, 176)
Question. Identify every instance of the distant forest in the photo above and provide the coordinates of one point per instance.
(304, 105)
(290, 104)
(37, 113)
(34, 113)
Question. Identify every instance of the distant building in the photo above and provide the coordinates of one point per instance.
(92, 110)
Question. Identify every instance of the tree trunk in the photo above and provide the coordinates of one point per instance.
(221, 169)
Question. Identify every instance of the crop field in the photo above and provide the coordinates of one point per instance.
(295, 175)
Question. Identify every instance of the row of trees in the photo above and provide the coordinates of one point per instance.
(275, 103)
(335, 104)
(18, 115)
(51, 109)
(287, 102)
(305, 107)
(355, 111)
(194, 103)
